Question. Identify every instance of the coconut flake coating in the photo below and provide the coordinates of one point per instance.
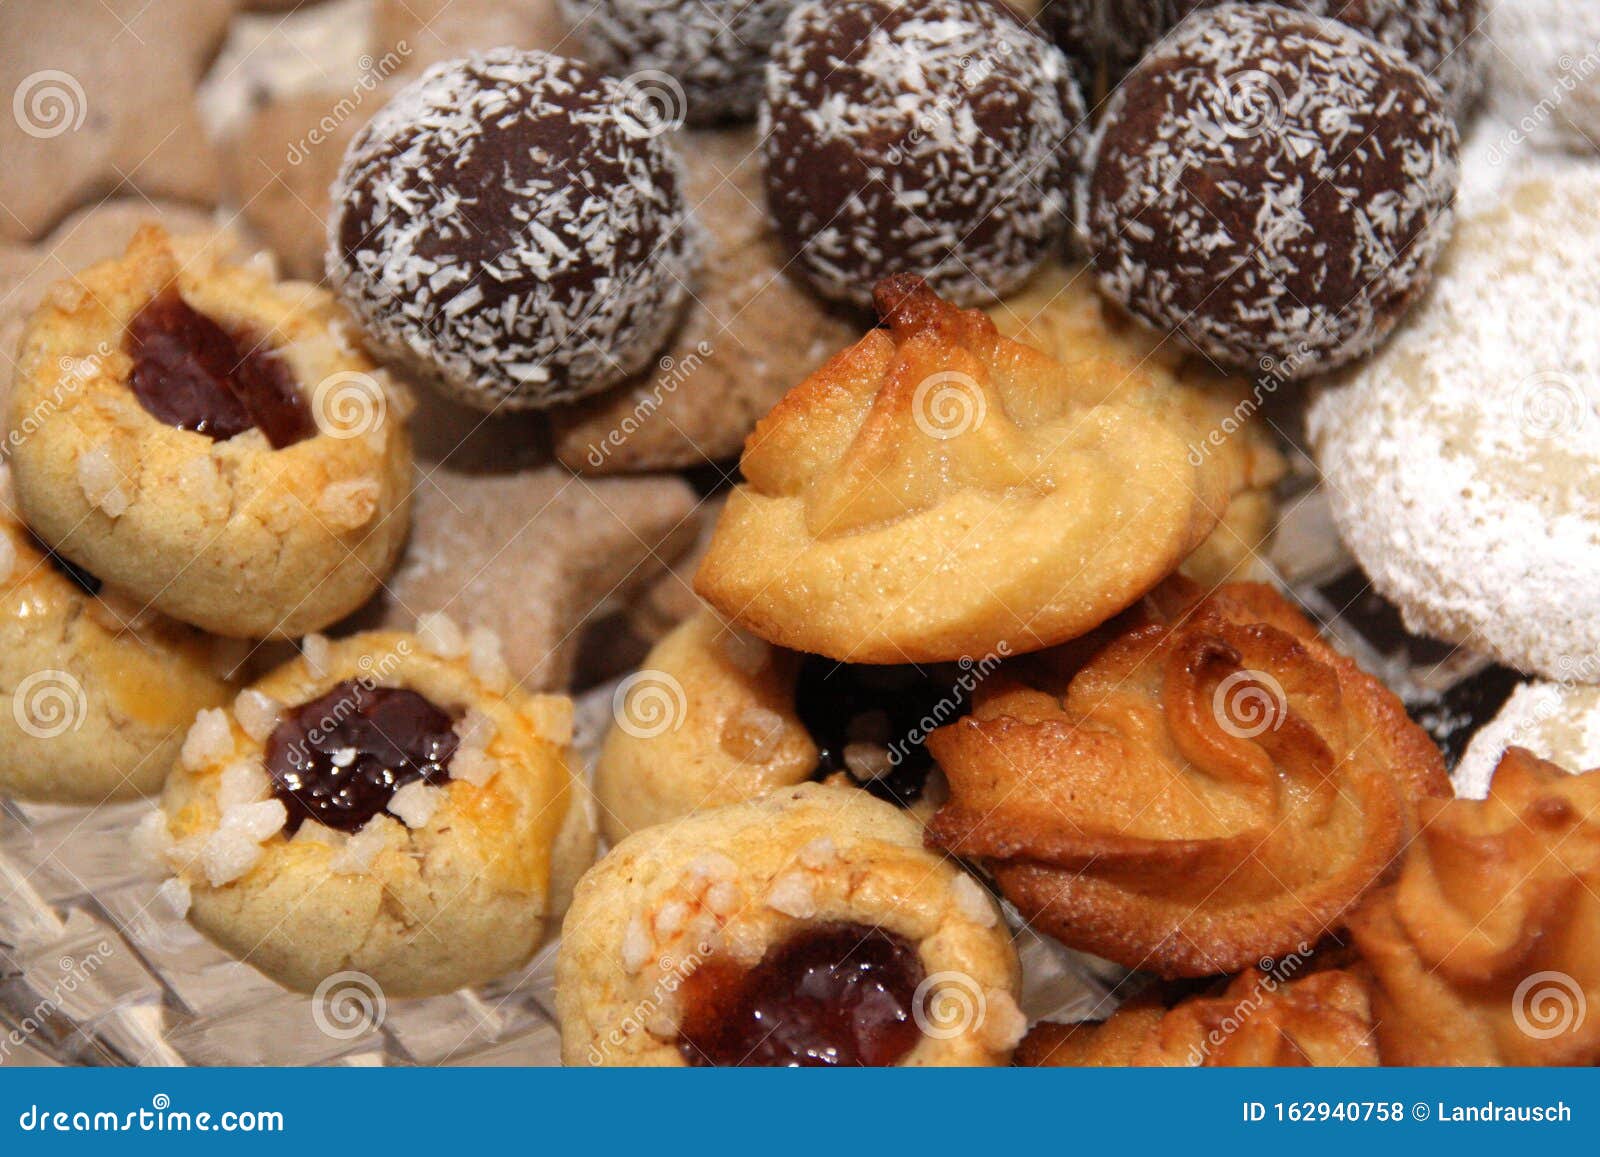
(1274, 186)
(933, 137)
(505, 228)
(1439, 36)
(716, 49)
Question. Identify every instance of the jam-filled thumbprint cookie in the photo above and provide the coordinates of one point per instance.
(809, 927)
(101, 691)
(210, 441)
(755, 717)
(386, 803)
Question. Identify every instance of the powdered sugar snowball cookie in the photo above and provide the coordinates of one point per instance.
(210, 441)
(714, 716)
(1545, 72)
(95, 693)
(1271, 185)
(699, 60)
(934, 137)
(376, 805)
(1559, 722)
(512, 228)
(751, 935)
(1464, 461)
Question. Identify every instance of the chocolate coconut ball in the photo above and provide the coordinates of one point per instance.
(1106, 38)
(933, 137)
(506, 228)
(1274, 186)
(714, 50)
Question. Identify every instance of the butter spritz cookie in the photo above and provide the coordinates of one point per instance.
(716, 716)
(387, 803)
(809, 927)
(1203, 784)
(209, 441)
(937, 489)
(100, 691)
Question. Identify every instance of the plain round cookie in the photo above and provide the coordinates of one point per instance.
(95, 694)
(1271, 185)
(934, 137)
(715, 716)
(1463, 462)
(460, 890)
(714, 49)
(512, 229)
(1559, 722)
(234, 535)
(1544, 78)
(736, 882)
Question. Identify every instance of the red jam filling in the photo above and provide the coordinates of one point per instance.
(191, 373)
(340, 758)
(836, 995)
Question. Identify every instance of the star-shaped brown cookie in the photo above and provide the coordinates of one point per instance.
(102, 99)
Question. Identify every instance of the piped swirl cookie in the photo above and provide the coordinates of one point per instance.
(1259, 1020)
(210, 442)
(100, 691)
(809, 927)
(937, 489)
(377, 805)
(1486, 949)
(717, 716)
(1203, 784)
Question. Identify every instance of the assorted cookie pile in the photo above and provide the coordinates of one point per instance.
(1017, 323)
